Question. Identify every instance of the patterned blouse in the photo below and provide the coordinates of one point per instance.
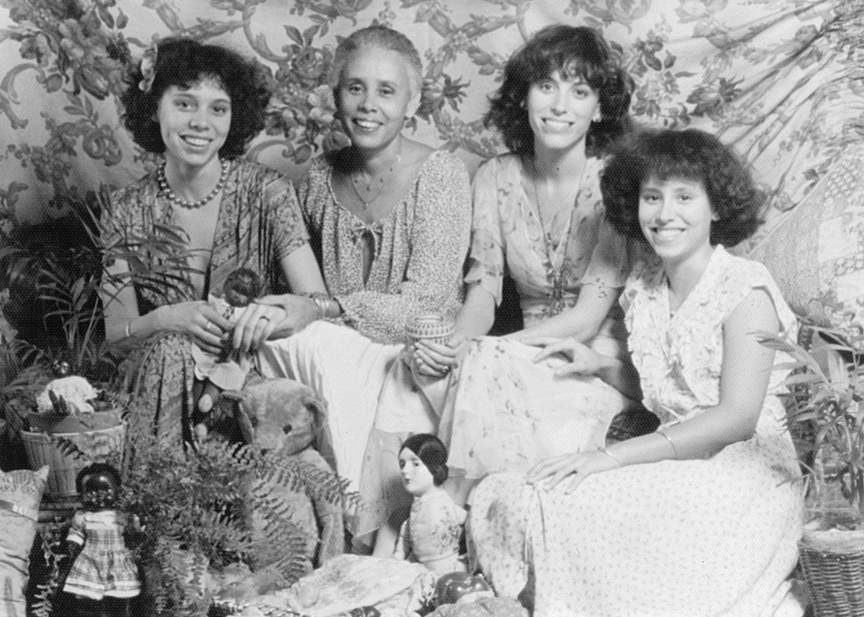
(507, 233)
(418, 254)
(259, 222)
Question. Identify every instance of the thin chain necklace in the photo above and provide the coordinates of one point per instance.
(166, 188)
(375, 184)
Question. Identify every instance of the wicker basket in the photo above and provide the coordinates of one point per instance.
(833, 566)
(45, 448)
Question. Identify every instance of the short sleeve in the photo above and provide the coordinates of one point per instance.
(486, 259)
(289, 230)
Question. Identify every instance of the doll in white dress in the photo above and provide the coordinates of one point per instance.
(432, 535)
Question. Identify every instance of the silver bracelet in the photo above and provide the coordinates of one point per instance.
(671, 443)
(612, 456)
(321, 303)
(128, 329)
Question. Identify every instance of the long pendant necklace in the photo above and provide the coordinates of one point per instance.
(166, 188)
(374, 186)
(555, 276)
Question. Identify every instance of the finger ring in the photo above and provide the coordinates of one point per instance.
(207, 326)
(264, 318)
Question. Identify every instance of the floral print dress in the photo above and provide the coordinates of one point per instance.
(507, 412)
(694, 538)
(259, 223)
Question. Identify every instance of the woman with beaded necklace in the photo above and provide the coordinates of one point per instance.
(198, 106)
(389, 219)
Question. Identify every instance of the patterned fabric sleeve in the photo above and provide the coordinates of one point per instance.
(289, 231)
(77, 531)
(438, 246)
(486, 261)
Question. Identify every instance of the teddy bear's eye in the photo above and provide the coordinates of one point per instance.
(287, 429)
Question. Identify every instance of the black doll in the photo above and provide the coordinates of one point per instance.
(102, 567)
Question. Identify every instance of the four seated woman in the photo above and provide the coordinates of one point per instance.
(389, 220)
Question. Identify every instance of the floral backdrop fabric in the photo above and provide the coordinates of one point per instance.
(781, 80)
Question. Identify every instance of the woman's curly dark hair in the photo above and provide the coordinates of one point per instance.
(690, 154)
(183, 62)
(577, 52)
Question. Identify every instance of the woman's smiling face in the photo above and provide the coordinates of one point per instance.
(374, 96)
(560, 111)
(675, 215)
(194, 122)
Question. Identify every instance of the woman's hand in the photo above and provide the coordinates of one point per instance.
(198, 320)
(433, 359)
(256, 324)
(573, 467)
(582, 360)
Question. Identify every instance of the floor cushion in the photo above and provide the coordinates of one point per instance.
(20, 496)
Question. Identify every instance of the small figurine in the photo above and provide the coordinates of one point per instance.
(228, 370)
(432, 535)
(102, 568)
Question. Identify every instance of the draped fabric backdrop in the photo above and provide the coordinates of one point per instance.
(781, 80)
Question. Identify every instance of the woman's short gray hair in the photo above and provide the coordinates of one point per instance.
(381, 37)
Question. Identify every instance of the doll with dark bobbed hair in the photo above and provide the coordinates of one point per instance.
(433, 532)
(198, 106)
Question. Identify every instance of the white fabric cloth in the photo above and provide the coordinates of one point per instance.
(346, 370)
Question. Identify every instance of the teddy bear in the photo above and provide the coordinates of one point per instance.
(283, 418)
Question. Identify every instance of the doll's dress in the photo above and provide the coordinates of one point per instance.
(226, 374)
(433, 532)
(104, 567)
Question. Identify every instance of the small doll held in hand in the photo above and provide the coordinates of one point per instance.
(228, 370)
(432, 535)
(102, 568)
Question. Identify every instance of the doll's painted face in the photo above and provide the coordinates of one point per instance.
(416, 477)
(98, 492)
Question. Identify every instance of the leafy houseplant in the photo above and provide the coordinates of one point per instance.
(825, 411)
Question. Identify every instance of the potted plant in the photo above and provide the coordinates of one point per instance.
(825, 411)
(72, 426)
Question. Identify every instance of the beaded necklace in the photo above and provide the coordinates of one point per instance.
(166, 188)
(555, 250)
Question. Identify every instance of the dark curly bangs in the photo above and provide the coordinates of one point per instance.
(183, 63)
(691, 154)
(577, 52)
